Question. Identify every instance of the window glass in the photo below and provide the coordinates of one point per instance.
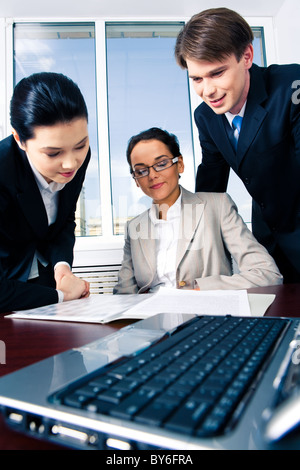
(259, 47)
(68, 49)
(146, 88)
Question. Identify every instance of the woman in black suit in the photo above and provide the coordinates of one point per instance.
(42, 169)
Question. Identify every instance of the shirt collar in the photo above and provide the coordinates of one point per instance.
(231, 116)
(42, 183)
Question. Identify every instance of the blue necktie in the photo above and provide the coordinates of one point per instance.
(237, 124)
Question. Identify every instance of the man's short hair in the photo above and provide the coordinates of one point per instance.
(213, 35)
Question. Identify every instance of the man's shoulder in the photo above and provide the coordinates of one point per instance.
(277, 75)
(282, 69)
(274, 85)
(204, 116)
(204, 109)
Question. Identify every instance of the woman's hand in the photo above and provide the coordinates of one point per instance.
(72, 287)
(61, 270)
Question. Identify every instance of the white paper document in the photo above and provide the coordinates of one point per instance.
(106, 308)
(197, 302)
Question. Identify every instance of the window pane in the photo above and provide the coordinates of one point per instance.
(259, 47)
(68, 49)
(236, 187)
(146, 88)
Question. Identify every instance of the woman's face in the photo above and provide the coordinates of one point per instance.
(161, 186)
(58, 151)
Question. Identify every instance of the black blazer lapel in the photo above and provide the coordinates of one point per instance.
(252, 121)
(29, 197)
(217, 128)
(254, 113)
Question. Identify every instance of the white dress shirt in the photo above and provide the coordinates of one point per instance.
(49, 193)
(166, 237)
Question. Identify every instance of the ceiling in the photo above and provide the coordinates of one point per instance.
(130, 8)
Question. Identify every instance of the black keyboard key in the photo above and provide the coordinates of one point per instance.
(212, 425)
(102, 381)
(98, 406)
(171, 397)
(131, 405)
(113, 395)
(187, 417)
(155, 413)
(158, 383)
(128, 384)
(90, 390)
(75, 400)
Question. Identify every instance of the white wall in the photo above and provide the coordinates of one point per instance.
(287, 32)
(131, 8)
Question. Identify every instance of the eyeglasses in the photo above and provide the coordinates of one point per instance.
(141, 171)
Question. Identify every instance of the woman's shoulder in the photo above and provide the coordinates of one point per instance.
(205, 197)
(8, 148)
(138, 218)
(214, 197)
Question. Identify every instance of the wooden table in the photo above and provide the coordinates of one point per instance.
(28, 341)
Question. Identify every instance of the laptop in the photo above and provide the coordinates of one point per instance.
(171, 381)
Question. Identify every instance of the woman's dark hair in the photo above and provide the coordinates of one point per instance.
(213, 35)
(155, 133)
(45, 99)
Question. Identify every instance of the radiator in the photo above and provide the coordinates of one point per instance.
(102, 279)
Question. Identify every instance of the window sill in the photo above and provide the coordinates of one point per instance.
(98, 251)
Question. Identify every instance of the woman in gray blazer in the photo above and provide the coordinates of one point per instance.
(185, 240)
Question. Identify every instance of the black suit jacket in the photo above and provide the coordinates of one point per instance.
(268, 153)
(24, 229)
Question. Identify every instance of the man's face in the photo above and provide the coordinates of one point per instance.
(223, 85)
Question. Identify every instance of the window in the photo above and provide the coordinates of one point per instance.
(130, 80)
(259, 46)
(145, 89)
(67, 49)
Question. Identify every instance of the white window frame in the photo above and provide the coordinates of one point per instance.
(107, 248)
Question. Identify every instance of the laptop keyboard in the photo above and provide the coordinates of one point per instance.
(193, 382)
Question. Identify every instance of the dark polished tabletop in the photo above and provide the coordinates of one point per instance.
(28, 341)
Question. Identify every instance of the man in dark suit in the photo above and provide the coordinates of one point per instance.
(264, 147)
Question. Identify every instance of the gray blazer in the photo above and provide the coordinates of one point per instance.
(211, 234)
